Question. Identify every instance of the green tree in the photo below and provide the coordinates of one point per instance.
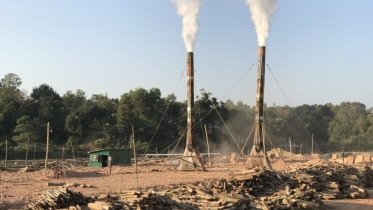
(349, 128)
(71, 101)
(11, 80)
(143, 109)
(173, 126)
(48, 105)
(212, 113)
(27, 131)
(11, 101)
(48, 102)
(108, 107)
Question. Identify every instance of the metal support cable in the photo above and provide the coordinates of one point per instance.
(177, 143)
(224, 96)
(177, 140)
(164, 113)
(238, 81)
(277, 151)
(298, 118)
(224, 123)
(247, 139)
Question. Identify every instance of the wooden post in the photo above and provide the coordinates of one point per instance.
(6, 151)
(290, 147)
(208, 147)
(312, 146)
(46, 152)
(28, 144)
(72, 148)
(63, 150)
(34, 150)
(264, 142)
(134, 155)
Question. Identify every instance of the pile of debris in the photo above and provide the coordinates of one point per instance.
(257, 188)
(152, 200)
(148, 162)
(334, 180)
(303, 187)
(62, 198)
(37, 166)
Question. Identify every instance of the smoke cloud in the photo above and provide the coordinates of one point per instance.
(188, 10)
(261, 13)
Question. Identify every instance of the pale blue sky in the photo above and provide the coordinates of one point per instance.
(319, 51)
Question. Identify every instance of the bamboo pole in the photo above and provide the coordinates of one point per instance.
(34, 150)
(72, 148)
(46, 152)
(63, 150)
(134, 155)
(6, 151)
(208, 146)
(264, 142)
(290, 147)
(28, 144)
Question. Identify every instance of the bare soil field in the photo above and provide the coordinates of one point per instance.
(17, 189)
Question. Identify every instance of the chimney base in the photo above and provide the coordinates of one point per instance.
(191, 161)
(257, 159)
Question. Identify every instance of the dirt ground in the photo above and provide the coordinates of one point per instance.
(17, 189)
(356, 204)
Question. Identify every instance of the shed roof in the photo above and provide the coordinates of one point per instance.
(106, 150)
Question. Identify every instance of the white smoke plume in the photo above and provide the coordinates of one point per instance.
(188, 10)
(261, 13)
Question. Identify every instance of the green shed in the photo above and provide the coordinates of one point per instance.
(98, 158)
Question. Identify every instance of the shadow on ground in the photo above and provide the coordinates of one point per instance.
(83, 174)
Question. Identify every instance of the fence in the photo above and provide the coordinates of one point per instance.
(38, 152)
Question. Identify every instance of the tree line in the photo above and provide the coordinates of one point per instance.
(160, 122)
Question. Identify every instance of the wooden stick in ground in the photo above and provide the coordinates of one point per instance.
(134, 155)
(46, 152)
(63, 150)
(34, 150)
(28, 144)
(6, 151)
(208, 147)
(64, 171)
(72, 148)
